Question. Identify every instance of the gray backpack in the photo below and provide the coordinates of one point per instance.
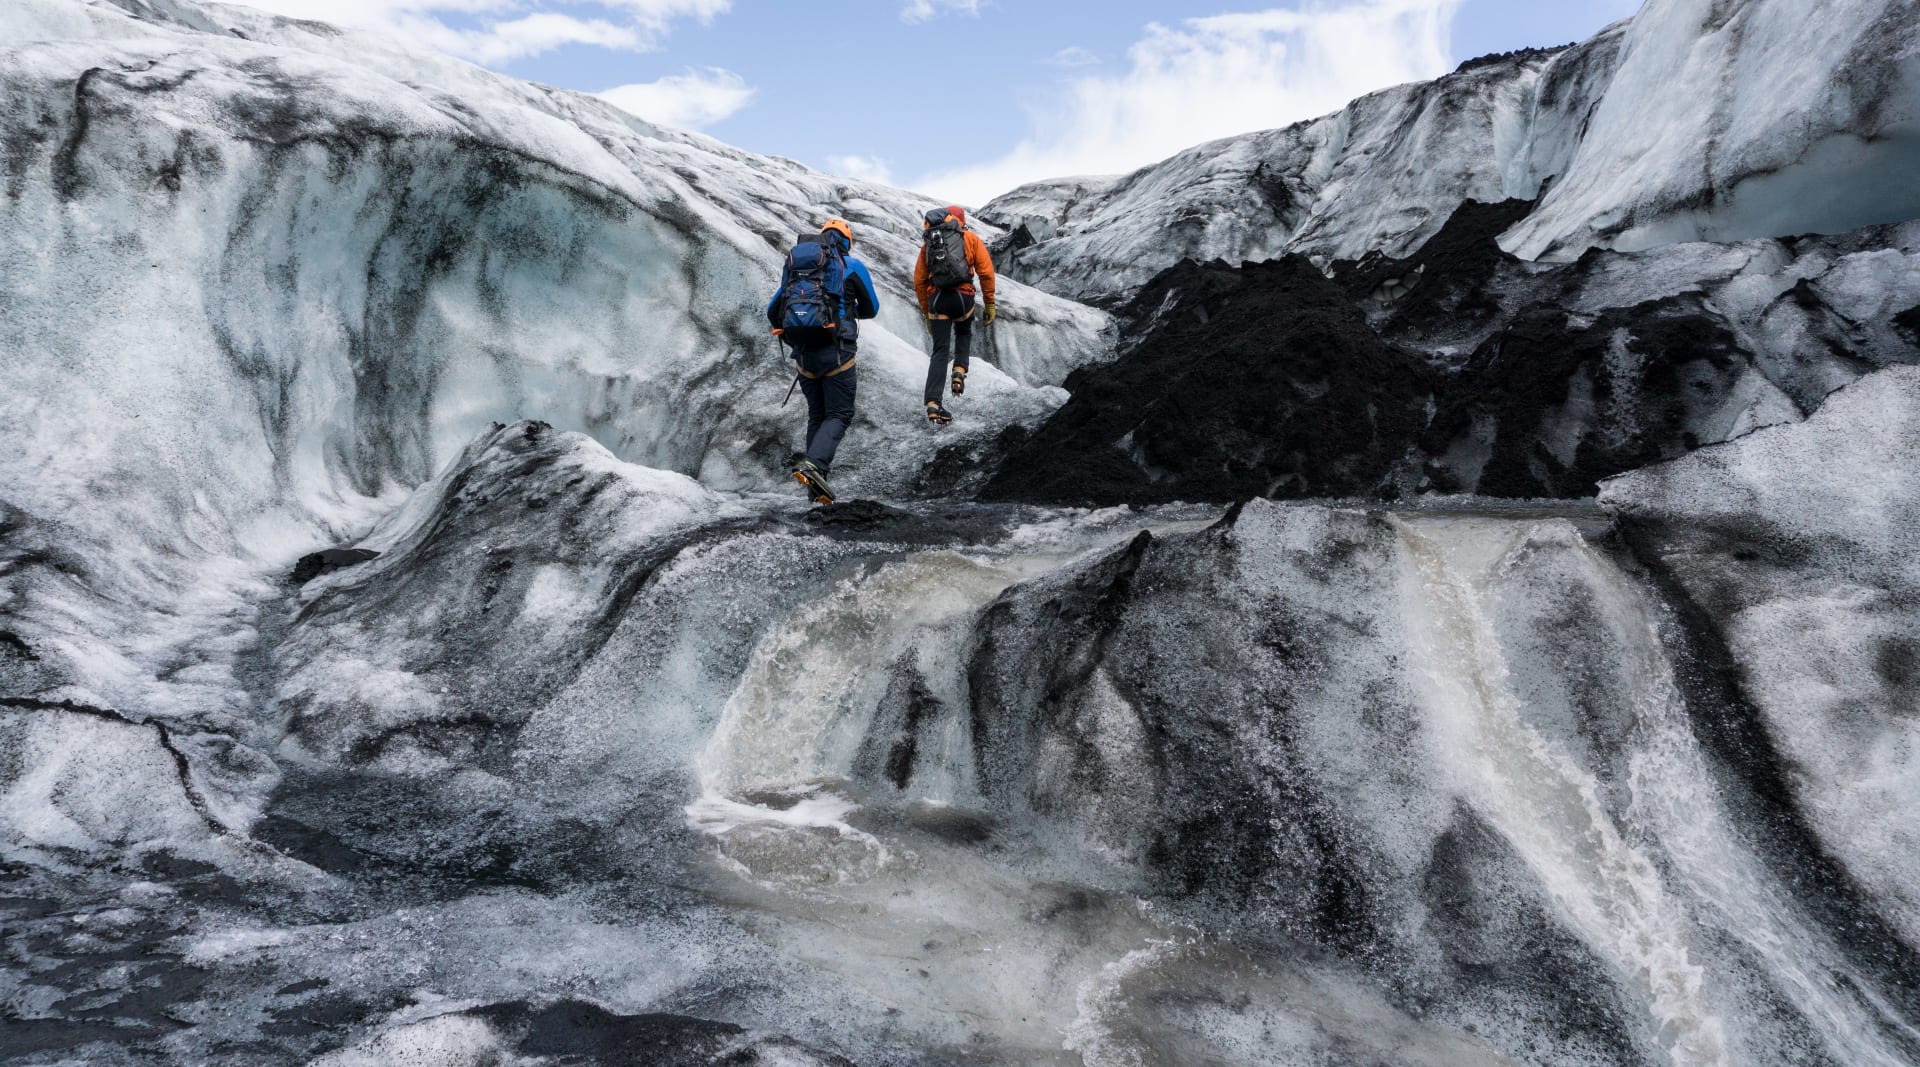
(946, 252)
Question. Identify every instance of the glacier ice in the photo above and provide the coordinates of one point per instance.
(1796, 541)
(1424, 785)
(597, 745)
(304, 205)
(1696, 120)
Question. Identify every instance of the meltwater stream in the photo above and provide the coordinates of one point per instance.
(839, 790)
(842, 794)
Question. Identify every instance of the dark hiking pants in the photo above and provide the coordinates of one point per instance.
(829, 402)
(952, 337)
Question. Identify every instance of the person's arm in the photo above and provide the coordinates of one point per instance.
(982, 265)
(866, 299)
(921, 287)
(773, 306)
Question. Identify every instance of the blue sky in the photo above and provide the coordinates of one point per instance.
(967, 98)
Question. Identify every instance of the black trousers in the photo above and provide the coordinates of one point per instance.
(952, 337)
(829, 401)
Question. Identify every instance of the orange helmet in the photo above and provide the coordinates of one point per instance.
(840, 227)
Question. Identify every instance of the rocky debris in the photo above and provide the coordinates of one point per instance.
(1555, 403)
(859, 514)
(1908, 322)
(1494, 59)
(1261, 380)
(1460, 368)
(926, 523)
(327, 560)
(576, 1032)
(1449, 289)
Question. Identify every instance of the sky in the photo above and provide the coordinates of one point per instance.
(966, 99)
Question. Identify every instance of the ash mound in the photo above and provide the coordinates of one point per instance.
(1260, 380)
(1462, 368)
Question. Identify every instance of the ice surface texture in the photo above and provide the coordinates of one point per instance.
(1698, 120)
(262, 278)
(1797, 543)
(584, 752)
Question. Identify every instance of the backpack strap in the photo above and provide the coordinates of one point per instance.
(835, 372)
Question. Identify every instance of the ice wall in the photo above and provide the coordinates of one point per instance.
(1695, 121)
(1728, 121)
(1385, 173)
(375, 253)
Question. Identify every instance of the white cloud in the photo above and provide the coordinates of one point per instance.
(861, 168)
(700, 97)
(1214, 77)
(922, 10)
(1075, 56)
(507, 29)
(530, 35)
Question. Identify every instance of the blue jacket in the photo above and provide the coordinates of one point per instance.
(860, 294)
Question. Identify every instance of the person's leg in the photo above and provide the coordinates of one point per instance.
(837, 397)
(963, 328)
(812, 389)
(963, 347)
(937, 362)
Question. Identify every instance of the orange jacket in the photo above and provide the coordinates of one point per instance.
(977, 258)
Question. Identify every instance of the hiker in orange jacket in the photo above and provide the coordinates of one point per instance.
(950, 257)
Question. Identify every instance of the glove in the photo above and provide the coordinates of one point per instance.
(990, 312)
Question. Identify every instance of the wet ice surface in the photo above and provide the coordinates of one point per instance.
(481, 781)
(1798, 541)
(593, 759)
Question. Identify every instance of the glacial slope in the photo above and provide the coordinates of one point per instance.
(1694, 121)
(376, 253)
(263, 278)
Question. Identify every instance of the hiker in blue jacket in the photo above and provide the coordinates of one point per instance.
(823, 293)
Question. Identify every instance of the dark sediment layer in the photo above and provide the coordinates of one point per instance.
(1258, 380)
(1459, 369)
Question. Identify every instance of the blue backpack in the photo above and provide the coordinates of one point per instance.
(815, 298)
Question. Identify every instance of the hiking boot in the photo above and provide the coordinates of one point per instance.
(814, 481)
(959, 380)
(937, 414)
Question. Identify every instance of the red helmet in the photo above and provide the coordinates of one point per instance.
(958, 212)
